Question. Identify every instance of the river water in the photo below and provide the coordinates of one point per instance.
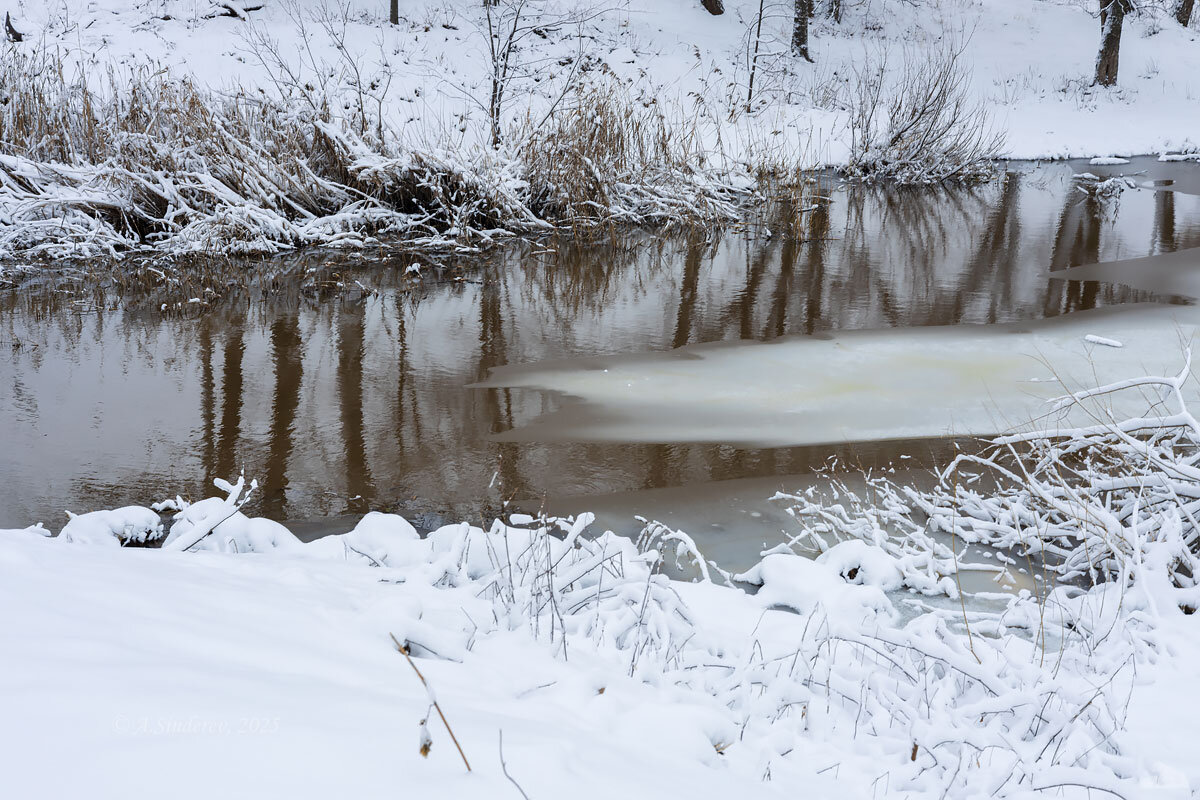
(348, 382)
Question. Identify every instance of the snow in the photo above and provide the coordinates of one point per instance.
(862, 563)
(276, 671)
(113, 528)
(809, 587)
(31, 530)
(280, 678)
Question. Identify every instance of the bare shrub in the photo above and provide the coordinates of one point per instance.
(922, 126)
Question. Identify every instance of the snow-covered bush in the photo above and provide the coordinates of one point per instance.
(1087, 503)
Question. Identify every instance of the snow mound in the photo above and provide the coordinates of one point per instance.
(804, 586)
(214, 526)
(32, 530)
(864, 564)
(114, 527)
(378, 539)
(1108, 161)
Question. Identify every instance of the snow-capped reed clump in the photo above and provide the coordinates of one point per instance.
(604, 158)
(147, 161)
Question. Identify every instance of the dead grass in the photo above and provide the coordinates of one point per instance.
(605, 158)
(144, 161)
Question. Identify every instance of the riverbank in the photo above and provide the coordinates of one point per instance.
(180, 128)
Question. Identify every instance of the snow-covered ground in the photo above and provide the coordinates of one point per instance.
(1031, 62)
(272, 673)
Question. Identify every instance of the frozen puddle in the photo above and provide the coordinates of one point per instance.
(857, 386)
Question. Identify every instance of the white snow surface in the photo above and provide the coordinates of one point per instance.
(1031, 63)
(128, 524)
(141, 673)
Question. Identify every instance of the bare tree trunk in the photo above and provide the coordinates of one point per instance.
(1183, 12)
(714, 7)
(754, 60)
(1112, 17)
(802, 9)
(835, 11)
(395, 15)
(11, 32)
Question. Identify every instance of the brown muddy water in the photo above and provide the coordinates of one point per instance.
(343, 382)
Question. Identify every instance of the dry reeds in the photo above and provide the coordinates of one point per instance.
(145, 161)
(604, 158)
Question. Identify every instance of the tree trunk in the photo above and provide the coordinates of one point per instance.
(835, 10)
(1183, 12)
(1112, 16)
(800, 13)
(11, 32)
(395, 15)
(714, 7)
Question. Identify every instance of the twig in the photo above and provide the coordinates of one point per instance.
(504, 768)
(404, 652)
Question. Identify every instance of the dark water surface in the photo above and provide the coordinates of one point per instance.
(340, 397)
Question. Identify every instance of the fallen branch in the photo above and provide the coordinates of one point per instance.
(228, 10)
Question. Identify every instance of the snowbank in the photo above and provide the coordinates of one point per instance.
(277, 671)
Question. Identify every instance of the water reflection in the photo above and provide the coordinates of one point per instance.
(286, 349)
(339, 399)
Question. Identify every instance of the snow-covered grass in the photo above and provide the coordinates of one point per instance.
(182, 126)
(1093, 503)
(273, 661)
(150, 162)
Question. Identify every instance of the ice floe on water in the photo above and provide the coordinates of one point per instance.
(859, 386)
